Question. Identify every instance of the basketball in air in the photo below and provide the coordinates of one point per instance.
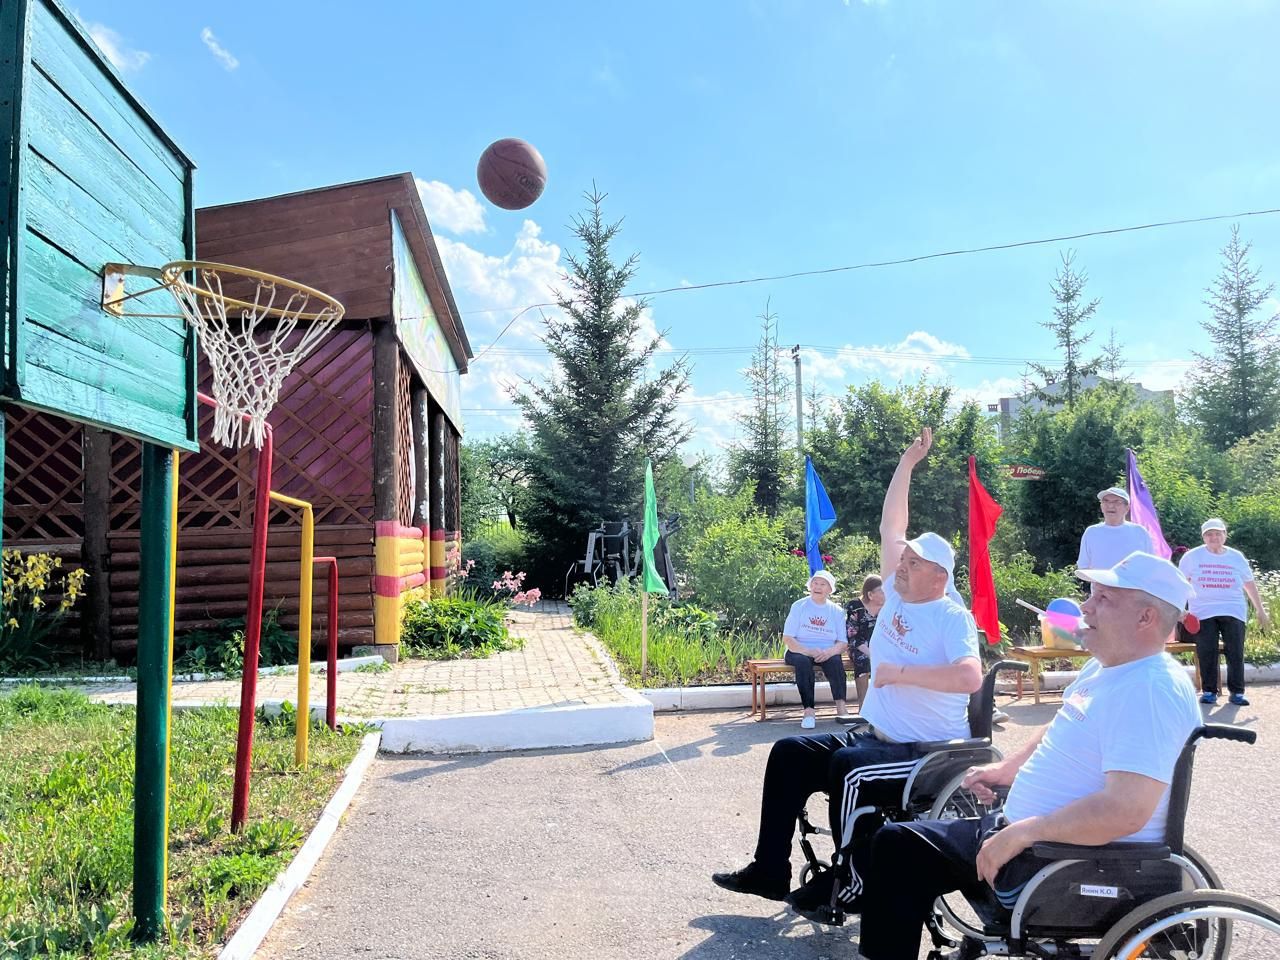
(511, 174)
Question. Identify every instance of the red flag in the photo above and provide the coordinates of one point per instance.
(983, 514)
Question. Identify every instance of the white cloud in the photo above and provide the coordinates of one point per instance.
(918, 354)
(457, 211)
(124, 58)
(220, 53)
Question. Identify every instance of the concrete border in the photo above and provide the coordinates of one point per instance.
(255, 927)
(343, 666)
(780, 693)
(532, 728)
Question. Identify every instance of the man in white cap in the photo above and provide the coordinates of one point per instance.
(1107, 543)
(1222, 579)
(924, 665)
(1099, 772)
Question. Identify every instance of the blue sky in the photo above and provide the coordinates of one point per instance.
(757, 138)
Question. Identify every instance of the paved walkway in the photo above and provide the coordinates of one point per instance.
(555, 667)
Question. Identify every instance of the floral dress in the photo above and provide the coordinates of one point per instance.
(859, 623)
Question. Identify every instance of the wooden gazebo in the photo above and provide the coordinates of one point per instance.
(367, 429)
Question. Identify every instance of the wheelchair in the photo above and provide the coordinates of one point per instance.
(1121, 900)
(932, 789)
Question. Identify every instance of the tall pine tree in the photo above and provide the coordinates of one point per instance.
(1235, 391)
(1071, 316)
(764, 457)
(603, 409)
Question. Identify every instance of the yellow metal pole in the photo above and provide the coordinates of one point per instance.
(306, 575)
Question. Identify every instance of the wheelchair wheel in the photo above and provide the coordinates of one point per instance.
(952, 912)
(1195, 925)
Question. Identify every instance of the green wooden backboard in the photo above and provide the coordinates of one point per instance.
(91, 179)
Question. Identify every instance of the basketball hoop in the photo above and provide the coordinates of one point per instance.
(244, 319)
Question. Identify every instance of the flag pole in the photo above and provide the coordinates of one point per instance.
(644, 632)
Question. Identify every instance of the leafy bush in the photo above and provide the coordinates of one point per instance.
(685, 644)
(742, 568)
(29, 616)
(499, 548)
(1254, 522)
(1016, 579)
(852, 558)
(458, 625)
(1264, 648)
(221, 648)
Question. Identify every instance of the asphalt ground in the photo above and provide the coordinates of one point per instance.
(607, 852)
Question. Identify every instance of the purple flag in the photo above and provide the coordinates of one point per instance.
(1142, 511)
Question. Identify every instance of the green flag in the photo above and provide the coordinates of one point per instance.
(652, 581)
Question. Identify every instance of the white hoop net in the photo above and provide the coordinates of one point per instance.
(245, 335)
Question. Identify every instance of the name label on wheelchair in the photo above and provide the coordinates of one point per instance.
(1093, 890)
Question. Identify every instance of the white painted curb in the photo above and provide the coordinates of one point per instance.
(569, 725)
(250, 934)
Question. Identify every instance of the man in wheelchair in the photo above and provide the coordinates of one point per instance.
(925, 665)
(1099, 772)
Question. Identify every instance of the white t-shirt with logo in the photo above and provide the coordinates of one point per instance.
(815, 625)
(1102, 547)
(936, 633)
(1218, 579)
(1133, 718)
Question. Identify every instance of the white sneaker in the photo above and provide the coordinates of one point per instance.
(999, 716)
(808, 723)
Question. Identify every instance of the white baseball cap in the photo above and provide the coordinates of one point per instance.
(934, 549)
(827, 576)
(1213, 523)
(1114, 492)
(1148, 573)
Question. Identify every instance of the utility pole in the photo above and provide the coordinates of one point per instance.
(795, 355)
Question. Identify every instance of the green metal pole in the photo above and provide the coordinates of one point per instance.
(150, 789)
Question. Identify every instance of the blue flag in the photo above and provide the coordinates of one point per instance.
(819, 515)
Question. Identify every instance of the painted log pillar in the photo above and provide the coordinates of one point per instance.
(439, 573)
(386, 498)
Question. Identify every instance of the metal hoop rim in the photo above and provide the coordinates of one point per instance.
(171, 276)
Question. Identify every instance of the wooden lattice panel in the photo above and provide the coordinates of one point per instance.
(452, 489)
(405, 453)
(322, 426)
(43, 476)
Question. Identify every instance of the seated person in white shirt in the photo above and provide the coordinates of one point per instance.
(1107, 543)
(924, 662)
(814, 635)
(1099, 772)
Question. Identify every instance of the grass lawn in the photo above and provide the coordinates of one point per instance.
(66, 823)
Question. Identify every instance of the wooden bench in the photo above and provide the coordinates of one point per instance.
(1035, 657)
(761, 670)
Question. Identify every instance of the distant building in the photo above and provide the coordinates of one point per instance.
(1010, 407)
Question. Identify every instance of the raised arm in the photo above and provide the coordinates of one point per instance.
(893, 518)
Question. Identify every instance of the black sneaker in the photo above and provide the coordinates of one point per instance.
(813, 900)
(755, 880)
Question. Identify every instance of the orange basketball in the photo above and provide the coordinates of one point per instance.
(511, 174)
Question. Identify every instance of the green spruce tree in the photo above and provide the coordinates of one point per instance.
(1071, 317)
(603, 409)
(1235, 391)
(763, 457)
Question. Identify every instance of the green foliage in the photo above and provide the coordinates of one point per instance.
(497, 548)
(602, 411)
(742, 567)
(1071, 314)
(1254, 526)
(686, 644)
(454, 626)
(36, 600)
(856, 450)
(1264, 648)
(852, 558)
(1235, 392)
(494, 476)
(1017, 579)
(66, 823)
(221, 648)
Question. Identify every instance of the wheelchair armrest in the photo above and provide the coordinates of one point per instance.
(1110, 852)
(924, 747)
